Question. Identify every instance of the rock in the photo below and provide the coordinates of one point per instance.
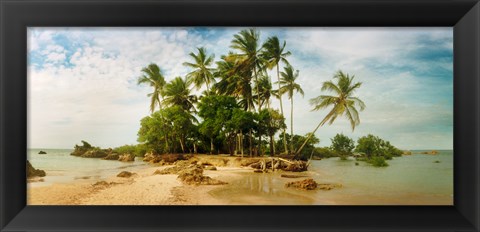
(95, 153)
(328, 186)
(407, 153)
(292, 176)
(126, 158)
(112, 156)
(80, 150)
(148, 156)
(101, 184)
(125, 174)
(211, 168)
(32, 172)
(307, 184)
(42, 152)
(194, 176)
(433, 152)
(437, 161)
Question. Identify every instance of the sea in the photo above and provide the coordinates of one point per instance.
(416, 179)
(61, 167)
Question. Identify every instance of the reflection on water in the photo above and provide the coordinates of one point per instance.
(261, 189)
(409, 180)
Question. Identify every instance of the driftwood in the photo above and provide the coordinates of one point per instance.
(280, 164)
(293, 176)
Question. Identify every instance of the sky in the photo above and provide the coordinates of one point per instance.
(82, 82)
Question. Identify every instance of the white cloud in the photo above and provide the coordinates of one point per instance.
(95, 96)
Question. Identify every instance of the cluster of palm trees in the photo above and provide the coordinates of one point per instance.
(243, 74)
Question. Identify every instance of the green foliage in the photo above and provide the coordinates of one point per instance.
(374, 148)
(137, 150)
(173, 124)
(325, 152)
(298, 140)
(221, 117)
(377, 161)
(342, 145)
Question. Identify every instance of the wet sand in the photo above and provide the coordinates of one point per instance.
(144, 188)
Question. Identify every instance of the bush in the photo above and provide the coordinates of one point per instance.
(325, 152)
(376, 150)
(342, 145)
(377, 161)
(137, 150)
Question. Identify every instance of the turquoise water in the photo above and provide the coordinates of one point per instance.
(409, 180)
(61, 167)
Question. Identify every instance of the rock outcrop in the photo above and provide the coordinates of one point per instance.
(126, 158)
(310, 184)
(112, 156)
(434, 152)
(80, 150)
(125, 174)
(32, 172)
(95, 153)
(307, 184)
(193, 175)
(407, 153)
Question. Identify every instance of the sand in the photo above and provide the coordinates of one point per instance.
(143, 188)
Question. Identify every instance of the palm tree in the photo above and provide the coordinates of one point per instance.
(273, 53)
(178, 92)
(264, 85)
(234, 84)
(202, 73)
(248, 59)
(343, 102)
(289, 86)
(152, 75)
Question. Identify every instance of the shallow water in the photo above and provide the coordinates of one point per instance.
(61, 167)
(409, 180)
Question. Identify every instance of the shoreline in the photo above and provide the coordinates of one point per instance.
(143, 188)
(244, 187)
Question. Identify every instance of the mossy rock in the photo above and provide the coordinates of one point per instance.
(32, 172)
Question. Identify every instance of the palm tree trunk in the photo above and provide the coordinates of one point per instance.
(250, 142)
(259, 109)
(272, 146)
(281, 109)
(211, 146)
(208, 86)
(164, 129)
(241, 143)
(291, 125)
(311, 134)
(181, 145)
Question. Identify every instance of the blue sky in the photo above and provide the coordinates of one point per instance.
(82, 81)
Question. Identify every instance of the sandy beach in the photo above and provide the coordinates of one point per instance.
(143, 188)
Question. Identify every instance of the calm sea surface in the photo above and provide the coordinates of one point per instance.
(409, 180)
(61, 167)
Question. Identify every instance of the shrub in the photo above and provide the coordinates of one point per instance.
(376, 150)
(342, 145)
(377, 161)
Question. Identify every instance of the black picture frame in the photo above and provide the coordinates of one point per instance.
(17, 15)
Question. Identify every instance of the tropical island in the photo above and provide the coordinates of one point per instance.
(217, 124)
